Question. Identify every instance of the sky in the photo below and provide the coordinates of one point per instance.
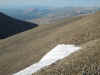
(52, 3)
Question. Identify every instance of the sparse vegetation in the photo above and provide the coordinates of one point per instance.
(22, 50)
(84, 62)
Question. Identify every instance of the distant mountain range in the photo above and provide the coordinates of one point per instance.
(26, 14)
(45, 14)
(10, 26)
(61, 13)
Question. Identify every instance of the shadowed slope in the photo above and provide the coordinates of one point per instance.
(10, 26)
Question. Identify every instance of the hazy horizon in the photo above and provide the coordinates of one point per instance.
(50, 3)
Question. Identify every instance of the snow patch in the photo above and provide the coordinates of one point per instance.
(57, 53)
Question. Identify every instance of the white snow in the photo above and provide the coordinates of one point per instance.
(57, 53)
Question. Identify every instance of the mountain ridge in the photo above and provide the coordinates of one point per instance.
(10, 26)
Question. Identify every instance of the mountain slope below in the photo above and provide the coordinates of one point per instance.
(22, 50)
(86, 34)
(10, 26)
(30, 45)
